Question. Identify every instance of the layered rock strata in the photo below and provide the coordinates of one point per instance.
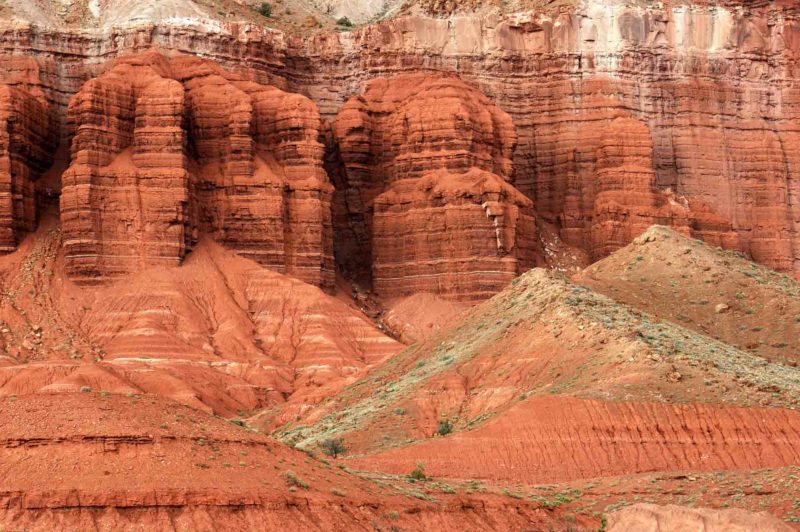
(27, 141)
(425, 195)
(165, 148)
(714, 84)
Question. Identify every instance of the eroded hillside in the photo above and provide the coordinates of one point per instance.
(488, 265)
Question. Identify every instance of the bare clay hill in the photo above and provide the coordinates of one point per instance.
(124, 406)
(715, 292)
(207, 334)
(95, 461)
(552, 383)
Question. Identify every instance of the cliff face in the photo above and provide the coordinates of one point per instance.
(219, 180)
(624, 116)
(27, 142)
(163, 149)
(425, 191)
(710, 88)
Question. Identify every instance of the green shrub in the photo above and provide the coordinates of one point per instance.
(345, 22)
(418, 473)
(293, 482)
(333, 448)
(445, 428)
(265, 10)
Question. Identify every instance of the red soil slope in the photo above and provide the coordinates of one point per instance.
(557, 439)
(415, 318)
(551, 384)
(712, 291)
(95, 461)
(541, 336)
(219, 333)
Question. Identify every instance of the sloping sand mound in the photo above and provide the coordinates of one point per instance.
(95, 461)
(542, 336)
(219, 332)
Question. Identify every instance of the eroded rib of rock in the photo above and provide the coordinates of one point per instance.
(426, 193)
(596, 177)
(166, 148)
(27, 143)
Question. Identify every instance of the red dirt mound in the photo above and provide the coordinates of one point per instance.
(557, 439)
(551, 382)
(542, 336)
(415, 318)
(220, 332)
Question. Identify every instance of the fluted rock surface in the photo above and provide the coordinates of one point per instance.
(166, 148)
(26, 151)
(714, 82)
(425, 193)
(595, 176)
(715, 85)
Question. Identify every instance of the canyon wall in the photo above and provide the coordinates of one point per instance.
(624, 116)
(163, 149)
(27, 142)
(425, 191)
(713, 87)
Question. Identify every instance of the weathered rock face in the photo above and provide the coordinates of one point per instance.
(644, 516)
(595, 174)
(425, 194)
(715, 86)
(682, 113)
(165, 148)
(26, 151)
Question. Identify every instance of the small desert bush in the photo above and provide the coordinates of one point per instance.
(418, 473)
(293, 481)
(265, 10)
(333, 447)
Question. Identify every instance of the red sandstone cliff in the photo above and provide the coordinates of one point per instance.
(164, 148)
(711, 88)
(425, 193)
(27, 143)
(416, 155)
